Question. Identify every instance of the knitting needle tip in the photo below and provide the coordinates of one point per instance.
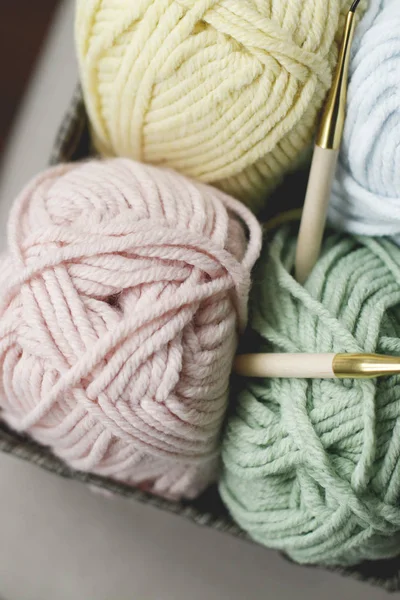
(324, 161)
(354, 5)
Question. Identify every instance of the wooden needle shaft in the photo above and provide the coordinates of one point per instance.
(300, 366)
(317, 366)
(314, 212)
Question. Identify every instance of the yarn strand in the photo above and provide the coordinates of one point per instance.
(122, 296)
(311, 467)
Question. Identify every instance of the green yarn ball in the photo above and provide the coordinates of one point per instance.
(312, 467)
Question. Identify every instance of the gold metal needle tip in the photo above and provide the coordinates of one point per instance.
(365, 366)
(354, 5)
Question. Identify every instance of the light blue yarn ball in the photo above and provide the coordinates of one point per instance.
(366, 193)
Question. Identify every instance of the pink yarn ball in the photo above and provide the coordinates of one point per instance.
(120, 302)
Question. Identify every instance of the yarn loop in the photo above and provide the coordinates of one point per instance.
(312, 467)
(120, 303)
(366, 193)
(225, 91)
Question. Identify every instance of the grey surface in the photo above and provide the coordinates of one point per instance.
(58, 539)
(45, 103)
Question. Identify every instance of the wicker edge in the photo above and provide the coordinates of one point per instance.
(71, 130)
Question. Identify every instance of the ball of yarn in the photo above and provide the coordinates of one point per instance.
(312, 467)
(225, 91)
(366, 193)
(120, 301)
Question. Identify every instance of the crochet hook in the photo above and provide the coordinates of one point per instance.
(324, 161)
(317, 366)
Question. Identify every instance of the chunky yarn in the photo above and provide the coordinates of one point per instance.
(120, 301)
(312, 467)
(366, 193)
(225, 91)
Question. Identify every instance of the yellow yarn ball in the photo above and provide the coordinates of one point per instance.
(225, 91)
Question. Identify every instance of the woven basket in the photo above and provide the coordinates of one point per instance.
(73, 143)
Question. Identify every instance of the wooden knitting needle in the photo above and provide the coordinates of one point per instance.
(324, 160)
(317, 366)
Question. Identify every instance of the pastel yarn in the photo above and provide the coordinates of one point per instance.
(312, 467)
(225, 91)
(366, 194)
(121, 297)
